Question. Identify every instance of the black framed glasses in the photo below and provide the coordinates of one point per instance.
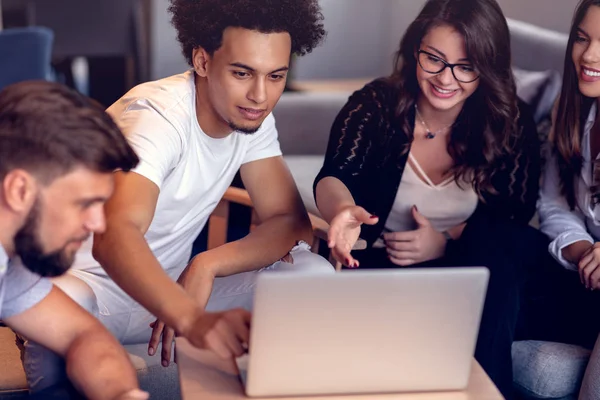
(433, 64)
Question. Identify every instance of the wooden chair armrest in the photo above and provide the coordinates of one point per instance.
(320, 227)
(237, 195)
(219, 219)
(217, 229)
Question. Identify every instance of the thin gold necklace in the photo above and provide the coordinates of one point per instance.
(429, 134)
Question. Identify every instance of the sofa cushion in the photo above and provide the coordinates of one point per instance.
(535, 48)
(304, 120)
(547, 370)
(539, 89)
(304, 169)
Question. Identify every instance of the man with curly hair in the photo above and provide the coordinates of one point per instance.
(193, 132)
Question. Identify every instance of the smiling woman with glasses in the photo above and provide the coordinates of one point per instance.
(438, 165)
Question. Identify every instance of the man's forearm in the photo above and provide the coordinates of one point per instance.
(269, 242)
(125, 255)
(99, 366)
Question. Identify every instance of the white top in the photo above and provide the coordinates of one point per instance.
(191, 169)
(563, 225)
(446, 204)
(20, 289)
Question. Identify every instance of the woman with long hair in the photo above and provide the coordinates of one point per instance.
(570, 194)
(438, 165)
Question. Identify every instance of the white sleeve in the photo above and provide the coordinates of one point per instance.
(264, 143)
(155, 140)
(563, 225)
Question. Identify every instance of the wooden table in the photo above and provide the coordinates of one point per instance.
(204, 376)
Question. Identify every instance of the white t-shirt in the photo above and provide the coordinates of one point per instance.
(191, 169)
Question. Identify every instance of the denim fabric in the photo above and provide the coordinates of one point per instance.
(548, 370)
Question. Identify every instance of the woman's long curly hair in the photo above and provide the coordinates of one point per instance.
(572, 111)
(487, 125)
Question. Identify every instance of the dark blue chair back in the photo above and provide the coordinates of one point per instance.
(25, 54)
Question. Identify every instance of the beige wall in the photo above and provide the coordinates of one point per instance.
(357, 36)
(363, 34)
(397, 15)
(166, 57)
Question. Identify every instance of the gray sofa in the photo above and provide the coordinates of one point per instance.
(542, 370)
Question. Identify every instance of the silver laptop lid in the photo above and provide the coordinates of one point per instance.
(364, 331)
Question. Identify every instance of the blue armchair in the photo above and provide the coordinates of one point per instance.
(25, 54)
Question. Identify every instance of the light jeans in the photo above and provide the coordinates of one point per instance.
(590, 387)
(129, 322)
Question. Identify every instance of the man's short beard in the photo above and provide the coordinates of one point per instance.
(247, 131)
(29, 248)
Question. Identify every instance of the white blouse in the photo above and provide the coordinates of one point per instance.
(446, 204)
(563, 225)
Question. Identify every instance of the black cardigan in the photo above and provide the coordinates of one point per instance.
(365, 152)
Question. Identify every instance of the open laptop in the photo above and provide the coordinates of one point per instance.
(363, 331)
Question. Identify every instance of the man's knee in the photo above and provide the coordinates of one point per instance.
(303, 260)
(78, 291)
